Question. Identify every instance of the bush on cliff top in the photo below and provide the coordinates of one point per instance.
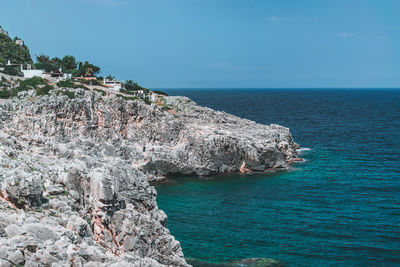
(66, 83)
(33, 82)
(28, 84)
(13, 71)
(128, 97)
(5, 94)
(44, 90)
(36, 83)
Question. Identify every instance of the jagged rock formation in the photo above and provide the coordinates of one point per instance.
(75, 174)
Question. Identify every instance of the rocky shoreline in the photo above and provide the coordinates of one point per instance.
(75, 173)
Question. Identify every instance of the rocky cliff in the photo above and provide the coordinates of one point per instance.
(75, 172)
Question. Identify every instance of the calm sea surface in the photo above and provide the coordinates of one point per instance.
(340, 208)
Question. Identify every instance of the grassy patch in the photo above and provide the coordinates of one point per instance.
(66, 83)
(44, 90)
(128, 97)
(5, 94)
(35, 83)
(32, 82)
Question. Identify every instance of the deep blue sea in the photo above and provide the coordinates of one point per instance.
(339, 208)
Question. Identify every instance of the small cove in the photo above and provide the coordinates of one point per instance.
(341, 206)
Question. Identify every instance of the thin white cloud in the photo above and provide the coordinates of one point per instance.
(283, 19)
(346, 34)
(107, 2)
(277, 19)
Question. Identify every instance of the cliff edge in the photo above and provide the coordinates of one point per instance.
(75, 172)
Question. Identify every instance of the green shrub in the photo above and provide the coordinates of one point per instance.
(12, 70)
(14, 92)
(128, 97)
(33, 82)
(4, 84)
(5, 94)
(66, 83)
(147, 101)
(165, 108)
(29, 84)
(44, 90)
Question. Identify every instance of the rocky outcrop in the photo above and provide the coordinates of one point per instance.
(75, 174)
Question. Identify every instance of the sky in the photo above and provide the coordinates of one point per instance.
(219, 43)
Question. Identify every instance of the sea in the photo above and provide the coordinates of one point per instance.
(340, 207)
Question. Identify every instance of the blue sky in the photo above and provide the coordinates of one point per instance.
(219, 43)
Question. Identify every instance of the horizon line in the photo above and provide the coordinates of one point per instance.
(279, 88)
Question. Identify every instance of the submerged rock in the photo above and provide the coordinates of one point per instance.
(74, 174)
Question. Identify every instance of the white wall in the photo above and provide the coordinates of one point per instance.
(32, 73)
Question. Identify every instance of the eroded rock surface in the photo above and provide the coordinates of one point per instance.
(74, 174)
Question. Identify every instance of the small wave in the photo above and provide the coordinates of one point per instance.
(304, 149)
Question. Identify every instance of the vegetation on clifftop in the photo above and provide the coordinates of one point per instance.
(85, 73)
(9, 50)
(35, 83)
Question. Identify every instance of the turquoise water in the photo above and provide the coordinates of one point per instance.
(341, 207)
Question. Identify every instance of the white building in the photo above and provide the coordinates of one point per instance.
(19, 42)
(112, 84)
(32, 73)
(27, 70)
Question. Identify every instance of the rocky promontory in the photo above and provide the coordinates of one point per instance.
(75, 171)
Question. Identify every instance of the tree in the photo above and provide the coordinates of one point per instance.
(44, 62)
(46, 66)
(87, 70)
(56, 61)
(134, 86)
(69, 64)
(43, 59)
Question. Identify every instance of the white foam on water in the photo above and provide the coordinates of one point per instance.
(304, 149)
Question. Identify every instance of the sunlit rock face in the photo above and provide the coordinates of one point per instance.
(75, 173)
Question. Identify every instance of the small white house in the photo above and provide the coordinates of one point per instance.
(112, 84)
(19, 42)
(32, 73)
(27, 70)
